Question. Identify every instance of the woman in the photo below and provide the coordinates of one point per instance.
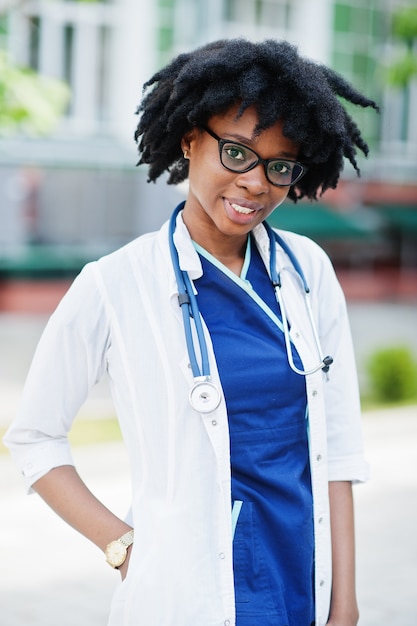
(243, 443)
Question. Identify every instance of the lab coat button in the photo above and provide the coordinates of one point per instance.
(214, 423)
(222, 555)
(322, 583)
(320, 520)
(318, 457)
(314, 393)
(227, 622)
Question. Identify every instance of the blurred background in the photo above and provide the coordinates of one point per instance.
(69, 188)
(71, 76)
(70, 81)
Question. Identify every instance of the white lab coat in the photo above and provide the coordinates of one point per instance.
(122, 314)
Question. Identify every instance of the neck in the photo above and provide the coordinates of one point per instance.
(229, 253)
(228, 249)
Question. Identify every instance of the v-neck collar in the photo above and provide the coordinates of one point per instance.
(246, 262)
(241, 280)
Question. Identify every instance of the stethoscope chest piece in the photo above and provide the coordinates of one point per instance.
(204, 397)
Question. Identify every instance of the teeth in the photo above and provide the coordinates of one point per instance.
(242, 209)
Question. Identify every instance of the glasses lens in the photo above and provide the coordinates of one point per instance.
(284, 173)
(239, 158)
(236, 157)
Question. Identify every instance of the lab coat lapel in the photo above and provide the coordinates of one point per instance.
(189, 260)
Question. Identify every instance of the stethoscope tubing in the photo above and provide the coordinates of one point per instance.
(189, 309)
(204, 396)
(276, 279)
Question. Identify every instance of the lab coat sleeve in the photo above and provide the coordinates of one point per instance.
(346, 459)
(70, 358)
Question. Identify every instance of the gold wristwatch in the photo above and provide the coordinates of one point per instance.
(116, 551)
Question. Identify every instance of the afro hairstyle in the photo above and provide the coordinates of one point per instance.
(272, 77)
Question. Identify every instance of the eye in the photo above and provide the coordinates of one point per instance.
(235, 152)
(281, 168)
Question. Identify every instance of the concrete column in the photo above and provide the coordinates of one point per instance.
(18, 41)
(51, 48)
(85, 74)
(133, 60)
(313, 28)
(215, 26)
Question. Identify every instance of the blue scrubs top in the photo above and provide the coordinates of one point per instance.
(273, 547)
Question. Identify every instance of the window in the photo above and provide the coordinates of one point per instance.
(34, 41)
(359, 30)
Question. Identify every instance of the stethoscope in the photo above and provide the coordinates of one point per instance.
(204, 396)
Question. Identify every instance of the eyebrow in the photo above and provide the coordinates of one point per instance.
(247, 142)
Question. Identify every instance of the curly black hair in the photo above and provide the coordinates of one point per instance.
(273, 77)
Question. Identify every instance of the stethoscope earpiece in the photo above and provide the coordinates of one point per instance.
(328, 360)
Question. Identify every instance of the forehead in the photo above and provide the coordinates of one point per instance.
(245, 122)
(242, 128)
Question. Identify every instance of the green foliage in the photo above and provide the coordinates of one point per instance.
(29, 102)
(404, 23)
(404, 28)
(393, 374)
(401, 72)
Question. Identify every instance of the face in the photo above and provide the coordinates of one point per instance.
(224, 206)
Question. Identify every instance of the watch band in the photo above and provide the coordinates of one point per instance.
(127, 539)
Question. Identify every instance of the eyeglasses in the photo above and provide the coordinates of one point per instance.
(238, 158)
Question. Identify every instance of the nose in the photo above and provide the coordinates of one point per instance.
(255, 181)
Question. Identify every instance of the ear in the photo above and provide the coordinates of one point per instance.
(187, 140)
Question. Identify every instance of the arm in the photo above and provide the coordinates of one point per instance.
(343, 608)
(65, 492)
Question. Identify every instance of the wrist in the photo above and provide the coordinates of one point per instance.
(117, 550)
(348, 617)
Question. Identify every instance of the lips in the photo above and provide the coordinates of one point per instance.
(241, 209)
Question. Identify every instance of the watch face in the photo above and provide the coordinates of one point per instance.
(115, 554)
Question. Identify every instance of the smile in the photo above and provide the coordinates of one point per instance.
(242, 209)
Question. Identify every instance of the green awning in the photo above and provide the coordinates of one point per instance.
(318, 222)
(45, 260)
(401, 218)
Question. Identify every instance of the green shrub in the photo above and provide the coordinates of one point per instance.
(393, 374)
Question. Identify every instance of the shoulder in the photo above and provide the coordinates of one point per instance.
(315, 263)
(301, 245)
(309, 254)
(143, 253)
(110, 273)
(133, 248)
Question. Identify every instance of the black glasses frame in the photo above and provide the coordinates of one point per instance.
(265, 162)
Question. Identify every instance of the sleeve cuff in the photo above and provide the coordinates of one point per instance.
(40, 460)
(353, 469)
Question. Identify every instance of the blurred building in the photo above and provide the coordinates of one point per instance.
(70, 197)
